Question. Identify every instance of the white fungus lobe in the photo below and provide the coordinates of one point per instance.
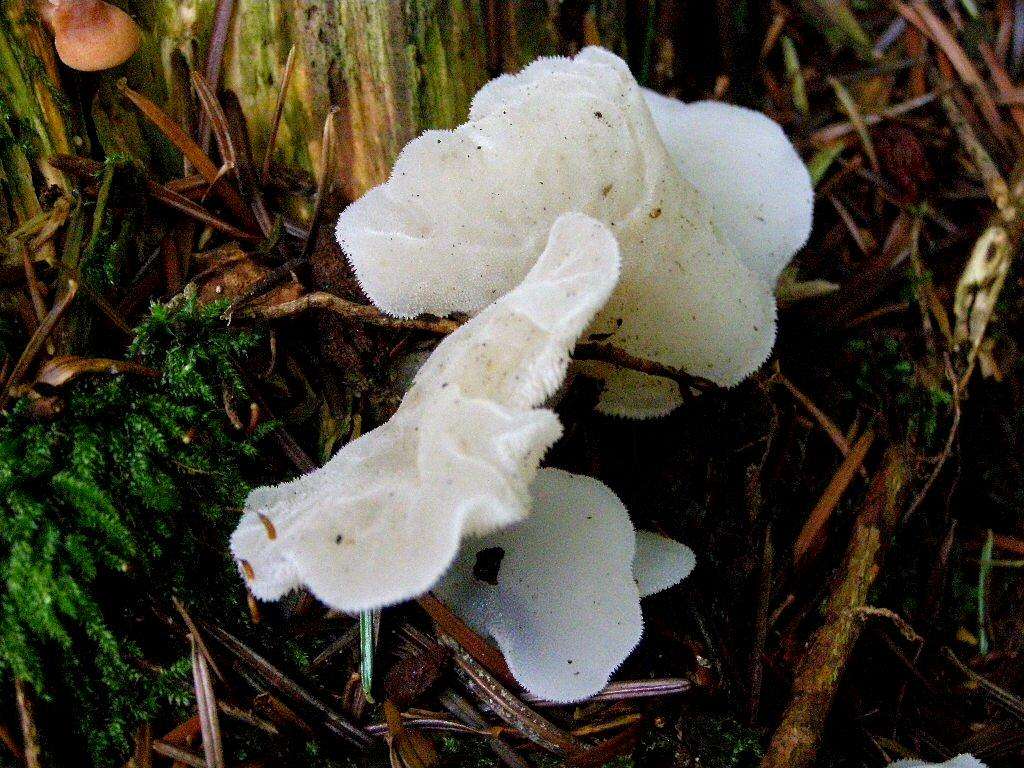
(557, 591)
(465, 214)
(759, 189)
(960, 761)
(381, 521)
(660, 562)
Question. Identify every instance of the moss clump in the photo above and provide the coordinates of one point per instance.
(721, 742)
(108, 509)
(916, 401)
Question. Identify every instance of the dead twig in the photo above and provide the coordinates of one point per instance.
(325, 184)
(795, 741)
(31, 751)
(275, 124)
(206, 704)
(508, 707)
(193, 152)
(626, 690)
(812, 534)
(178, 754)
(332, 720)
(350, 310)
(35, 343)
(85, 168)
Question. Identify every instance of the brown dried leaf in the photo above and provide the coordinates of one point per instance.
(407, 748)
(232, 273)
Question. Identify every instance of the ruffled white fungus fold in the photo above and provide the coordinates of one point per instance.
(465, 213)
(759, 189)
(382, 520)
(557, 591)
(960, 761)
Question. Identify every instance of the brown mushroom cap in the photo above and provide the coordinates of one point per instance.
(91, 35)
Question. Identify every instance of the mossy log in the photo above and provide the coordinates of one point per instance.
(393, 68)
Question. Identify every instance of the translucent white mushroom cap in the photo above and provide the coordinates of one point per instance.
(759, 189)
(559, 591)
(382, 520)
(960, 761)
(465, 213)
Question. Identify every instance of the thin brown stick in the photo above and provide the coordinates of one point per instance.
(35, 343)
(275, 125)
(29, 732)
(206, 704)
(192, 151)
(924, 19)
(835, 131)
(351, 310)
(326, 181)
(335, 722)
(810, 537)
(34, 290)
(196, 637)
(834, 433)
(507, 706)
(178, 754)
(215, 119)
(616, 355)
(85, 168)
(995, 184)
(483, 652)
(364, 313)
(625, 690)
(215, 56)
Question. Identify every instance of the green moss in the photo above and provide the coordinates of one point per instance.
(721, 742)
(887, 378)
(122, 500)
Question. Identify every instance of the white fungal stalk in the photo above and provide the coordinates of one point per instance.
(560, 591)
(382, 520)
(466, 212)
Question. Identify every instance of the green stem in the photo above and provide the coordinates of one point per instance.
(368, 622)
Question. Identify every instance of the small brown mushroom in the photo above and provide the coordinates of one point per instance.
(90, 35)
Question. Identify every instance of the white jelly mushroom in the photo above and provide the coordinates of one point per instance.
(465, 213)
(759, 189)
(382, 520)
(960, 761)
(557, 590)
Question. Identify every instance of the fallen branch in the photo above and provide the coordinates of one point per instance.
(350, 310)
(369, 315)
(819, 671)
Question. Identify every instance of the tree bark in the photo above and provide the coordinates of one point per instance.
(393, 68)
